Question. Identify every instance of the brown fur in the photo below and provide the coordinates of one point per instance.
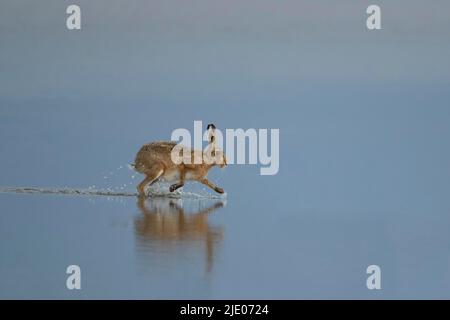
(155, 162)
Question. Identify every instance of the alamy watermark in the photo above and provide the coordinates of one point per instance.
(74, 279)
(249, 146)
(373, 21)
(374, 280)
(73, 20)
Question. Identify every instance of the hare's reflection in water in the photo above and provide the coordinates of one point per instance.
(173, 223)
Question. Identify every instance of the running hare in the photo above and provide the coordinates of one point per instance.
(155, 161)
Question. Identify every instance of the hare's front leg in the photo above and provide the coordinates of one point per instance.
(178, 185)
(211, 185)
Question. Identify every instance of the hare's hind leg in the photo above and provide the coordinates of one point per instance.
(150, 177)
(211, 185)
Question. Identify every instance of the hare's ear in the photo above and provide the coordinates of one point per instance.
(211, 134)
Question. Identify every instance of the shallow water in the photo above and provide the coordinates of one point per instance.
(364, 149)
(191, 248)
(159, 191)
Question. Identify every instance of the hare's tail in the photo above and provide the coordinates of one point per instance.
(137, 168)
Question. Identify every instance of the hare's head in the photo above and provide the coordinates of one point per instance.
(218, 156)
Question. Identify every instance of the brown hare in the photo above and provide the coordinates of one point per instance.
(154, 160)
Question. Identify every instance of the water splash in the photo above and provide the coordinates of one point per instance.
(70, 191)
(114, 184)
(151, 192)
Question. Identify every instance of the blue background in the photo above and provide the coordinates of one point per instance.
(364, 147)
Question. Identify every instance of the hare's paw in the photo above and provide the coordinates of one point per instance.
(219, 190)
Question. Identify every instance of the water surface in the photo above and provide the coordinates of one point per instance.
(364, 149)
